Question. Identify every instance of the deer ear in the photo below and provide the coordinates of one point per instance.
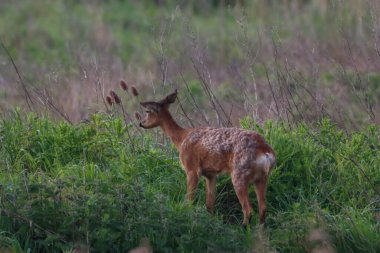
(156, 107)
(170, 98)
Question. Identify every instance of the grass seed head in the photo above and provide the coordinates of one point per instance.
(115, 97)
(109, 100)
(112, 93)
(134, 91)
(123, 85)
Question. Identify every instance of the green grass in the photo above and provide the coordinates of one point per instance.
(61, 185)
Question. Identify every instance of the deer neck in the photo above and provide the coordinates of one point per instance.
(176, 133)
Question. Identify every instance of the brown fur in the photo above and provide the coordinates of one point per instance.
(210, 151)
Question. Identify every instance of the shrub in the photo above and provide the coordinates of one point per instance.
(63, 185)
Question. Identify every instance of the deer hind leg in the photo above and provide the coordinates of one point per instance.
(192, 183)
(260, 188)
(210, 193)
(241, 189)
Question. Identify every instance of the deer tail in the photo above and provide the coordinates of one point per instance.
(266, 161)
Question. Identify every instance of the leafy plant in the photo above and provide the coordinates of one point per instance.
(63, 186)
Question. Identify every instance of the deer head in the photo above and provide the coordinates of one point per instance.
(156, 112)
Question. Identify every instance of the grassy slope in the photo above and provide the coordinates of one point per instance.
(63, 185)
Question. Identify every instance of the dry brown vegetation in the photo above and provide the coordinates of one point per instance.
(295, 61)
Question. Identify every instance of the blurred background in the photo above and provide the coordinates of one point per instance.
(295, 61)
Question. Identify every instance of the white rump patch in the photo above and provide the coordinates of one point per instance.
(265, 161)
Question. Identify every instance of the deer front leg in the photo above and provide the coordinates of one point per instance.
(192, 183)
(210, 193)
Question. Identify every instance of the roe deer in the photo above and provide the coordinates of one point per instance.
(208, 151)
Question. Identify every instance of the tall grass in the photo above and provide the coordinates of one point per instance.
(62, 186)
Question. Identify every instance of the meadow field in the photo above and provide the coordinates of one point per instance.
(77, 174)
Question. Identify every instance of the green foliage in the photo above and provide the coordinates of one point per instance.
(61, 185)
(79, 183)
(30, 27)
(324, 178)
